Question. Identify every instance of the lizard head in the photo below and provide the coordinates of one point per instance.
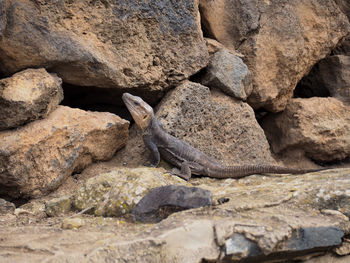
(140, 111)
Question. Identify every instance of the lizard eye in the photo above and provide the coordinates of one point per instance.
(136, 103)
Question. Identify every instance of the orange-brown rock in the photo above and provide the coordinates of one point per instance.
(110, 44)
(36, 158)
(281, 40)
(28, 95)
(320, 127)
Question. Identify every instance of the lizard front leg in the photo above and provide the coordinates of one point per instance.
(154, 150)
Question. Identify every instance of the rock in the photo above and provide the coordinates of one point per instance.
(228, 73)
(117, 192)
(328, 258)
(58, 206)
(32, 209)
(36, 158)
(214, 46)
(72, 223)
(268, 219)
(281, 40)
(343, 48)
(344, 6)
(216, 124)
(109, 44)
(171, 197)
(27, 96)
(320, 127)
(6, 207)
(331, 75)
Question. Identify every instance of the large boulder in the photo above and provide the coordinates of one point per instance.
(220, 126)
(111, 44)
(281, 40)
(28, 95)
(38, 157)
(330, 76)
(319, 127)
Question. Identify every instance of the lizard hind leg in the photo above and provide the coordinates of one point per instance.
(184, 173)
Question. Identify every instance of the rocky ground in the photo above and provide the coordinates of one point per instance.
(248, 82)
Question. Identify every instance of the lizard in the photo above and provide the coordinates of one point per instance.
(182, 155)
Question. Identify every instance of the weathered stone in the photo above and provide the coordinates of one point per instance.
(28, 95)
(72, 223)
(228, 73)
(343, 48)
(110, 44)
(268, 218)
(344, 6)
(320, 127)
(216, 124)
(281, 40)
(170, 198)
(58, 206)
(331, 75)
(210, 121)
(214, 46)
(117, 192)
(328, 258)
(6, 207)
(36, 158)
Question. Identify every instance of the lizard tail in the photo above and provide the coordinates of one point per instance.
(245, 170)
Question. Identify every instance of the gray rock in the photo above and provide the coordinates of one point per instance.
(175, 197)
(216, 124)
(315, 238)
(27, 96)
(6, 207)
(109, 44)
(240, 247)
(220, 126)
(228, 72)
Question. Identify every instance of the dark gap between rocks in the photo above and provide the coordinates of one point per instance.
(311, 85)
(103, 99)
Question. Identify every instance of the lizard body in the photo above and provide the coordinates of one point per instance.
(182, 155)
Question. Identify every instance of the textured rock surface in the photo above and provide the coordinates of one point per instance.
(28, 95)
(39, 156)
(228, 73)
(218, 125)
(281, 40)
(6, 207)
(273, 218)
(320, 127)
(58, 206)
(117, 192)
(125, 44)
(331, 75)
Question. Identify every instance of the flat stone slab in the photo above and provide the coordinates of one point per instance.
(266, 218)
